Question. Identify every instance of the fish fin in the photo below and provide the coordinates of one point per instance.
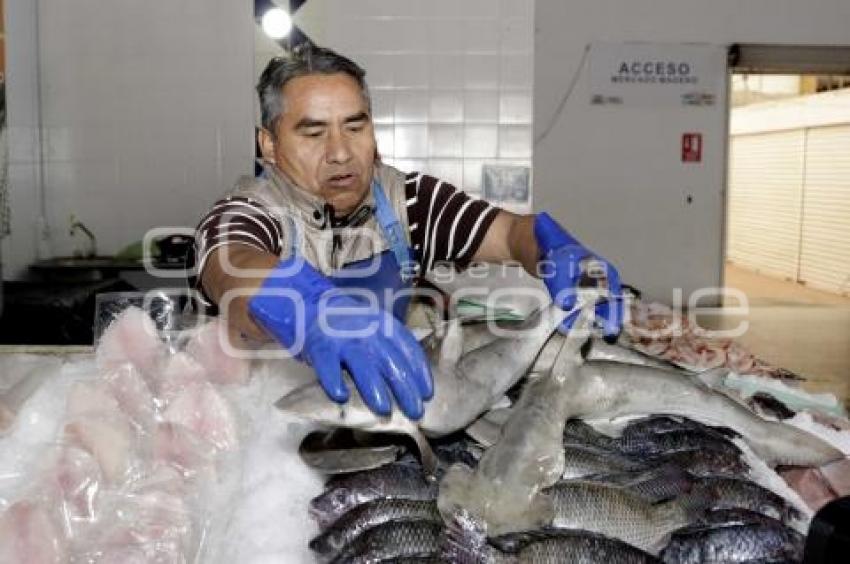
(714, 378)
(451, 345)
(465, 541)
(429, 459)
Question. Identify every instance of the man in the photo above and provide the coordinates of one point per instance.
(328, 215)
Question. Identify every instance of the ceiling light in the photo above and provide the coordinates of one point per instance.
(276, 23)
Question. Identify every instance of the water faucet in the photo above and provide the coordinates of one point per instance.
(76, 225)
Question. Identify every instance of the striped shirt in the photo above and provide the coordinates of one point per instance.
(446, 224)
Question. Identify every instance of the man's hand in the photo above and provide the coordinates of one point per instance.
(329, 329)
(565, 262)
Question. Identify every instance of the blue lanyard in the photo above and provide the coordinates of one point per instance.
(390, 225)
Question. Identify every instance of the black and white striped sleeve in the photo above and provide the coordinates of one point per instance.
(236, 221)
(446, 224)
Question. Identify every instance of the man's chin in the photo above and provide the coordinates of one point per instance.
(345, 204)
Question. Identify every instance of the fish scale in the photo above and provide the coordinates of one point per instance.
(616, 512)
(674, 440)
(399, 539)
(343, 493)
(362, 518)
(732, 493)
(752, 542)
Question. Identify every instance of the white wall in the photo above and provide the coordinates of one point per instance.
(614, 175)
(451, 81)
(147, 115)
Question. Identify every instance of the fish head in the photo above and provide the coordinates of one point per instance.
(311, 403)
(328, 506)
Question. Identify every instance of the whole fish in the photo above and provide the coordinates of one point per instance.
(616, 512)
(504, 491)
(752, 542)
(394, 481)
(350, 526)
(466, 543)
(464, 385)
(658, 424)
(392, 540)
(615, 390)
(733, 493)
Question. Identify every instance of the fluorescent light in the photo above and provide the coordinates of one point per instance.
(276, 23)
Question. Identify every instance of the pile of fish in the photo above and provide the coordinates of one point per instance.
(144, 438)
(658, 330)
(678, 475)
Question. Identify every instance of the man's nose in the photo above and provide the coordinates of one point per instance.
(338, 150)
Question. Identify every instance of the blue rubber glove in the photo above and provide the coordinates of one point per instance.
(383, 357)
(562, 273)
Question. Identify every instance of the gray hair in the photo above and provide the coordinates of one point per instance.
(304, 60)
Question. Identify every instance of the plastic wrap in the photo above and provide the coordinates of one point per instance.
(143, 448)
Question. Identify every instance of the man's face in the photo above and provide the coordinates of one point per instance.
(324, 139)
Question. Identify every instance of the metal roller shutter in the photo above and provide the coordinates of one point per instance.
(825, 249)
(765, 194)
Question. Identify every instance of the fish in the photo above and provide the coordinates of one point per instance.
(504, 491)
(601, 350)
(419, 538)
(733, 493)
(655, 484)
(734, 516)
(466, 543)
(751, 542)
(605, 389)
(616, 512)
(28, 533)
(658, 424)
(350, 526)
(467, 386)
(310, 402)
(673, 441)
(577, 432)
(585, 460)
(393, 481)
(347, 460)
(703, 462)
(464, 386)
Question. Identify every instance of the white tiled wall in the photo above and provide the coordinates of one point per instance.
(147, 116)
(451, 81)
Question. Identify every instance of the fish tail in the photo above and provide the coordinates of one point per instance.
(465, 542)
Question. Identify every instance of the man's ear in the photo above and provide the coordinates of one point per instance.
(266, 142)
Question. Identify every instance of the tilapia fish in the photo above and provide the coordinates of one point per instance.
(504, 490)
(390, 541)
(350, 526)
(466, 543)
(752, 542)
(617, 512)
(464, 385)
(393, 481)
(613, 390)
(732, 493)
